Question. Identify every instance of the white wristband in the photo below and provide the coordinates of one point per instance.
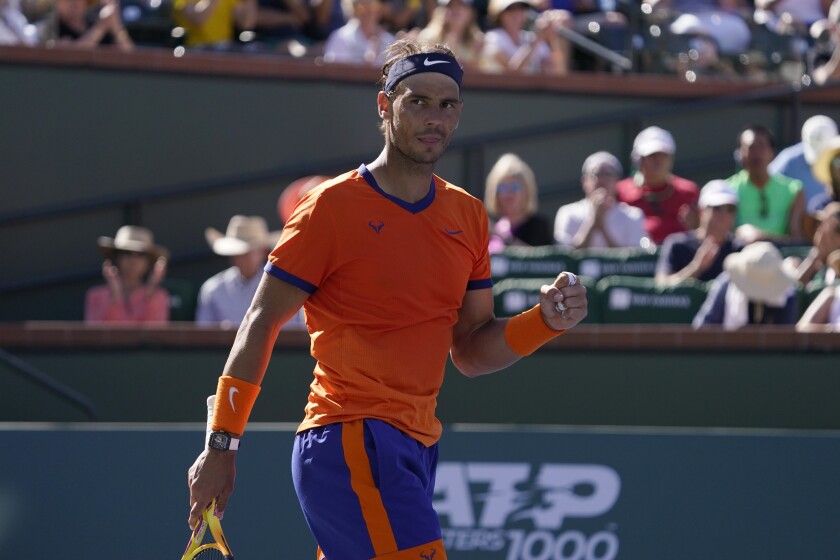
(211, 402)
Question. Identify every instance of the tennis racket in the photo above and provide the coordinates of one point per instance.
(218, 550)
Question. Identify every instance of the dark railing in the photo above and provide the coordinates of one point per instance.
(49, 383)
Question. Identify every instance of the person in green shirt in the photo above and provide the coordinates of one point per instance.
(771, 207)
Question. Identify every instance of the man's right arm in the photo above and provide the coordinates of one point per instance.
(212, 475)
(274, 303)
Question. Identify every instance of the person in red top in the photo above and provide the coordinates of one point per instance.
(669, 202)
(391, 265)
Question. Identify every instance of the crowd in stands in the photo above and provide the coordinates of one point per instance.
(759, 39)
(727, 237)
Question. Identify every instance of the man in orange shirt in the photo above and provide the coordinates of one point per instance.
(391, 264)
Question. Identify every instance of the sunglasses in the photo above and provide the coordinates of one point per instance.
(509, 187)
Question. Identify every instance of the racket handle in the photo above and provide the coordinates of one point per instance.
(211, 402)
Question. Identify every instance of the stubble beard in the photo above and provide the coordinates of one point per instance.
(415, 158)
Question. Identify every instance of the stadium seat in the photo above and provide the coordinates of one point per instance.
(598, 263)
(532, 262)
(514, 295)
(183, 298)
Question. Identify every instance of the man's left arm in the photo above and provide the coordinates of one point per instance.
(482, 343)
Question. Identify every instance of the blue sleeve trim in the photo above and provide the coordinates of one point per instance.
(480, 284)
(281, 274)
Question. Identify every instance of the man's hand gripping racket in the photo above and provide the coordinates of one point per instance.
(217, 550)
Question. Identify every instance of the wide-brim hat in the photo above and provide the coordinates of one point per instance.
(822, 167)
(759, 271)
(136, 239)
(243, 235)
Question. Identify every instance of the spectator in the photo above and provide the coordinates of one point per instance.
(225, 297)
(756, 288)
(509, 47)
(830, 69)
(722, 21)
(69, 24)
(790, 17)
(593, 19)
(599, 220)
(669, 202)
(823, 315)
(362, 40)
(293, 192)
(796, 161)
(826, 169)
(211, 24)
(510, 197)
(699, 254)
(326, 17)
(134, 268)
(771, 207)
(454, 23)
(14, 27)
(826, 241)
(279, 23)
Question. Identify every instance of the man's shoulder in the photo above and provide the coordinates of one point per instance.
(787, 182)
(683, 184)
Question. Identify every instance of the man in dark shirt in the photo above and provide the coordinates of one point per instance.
(699, 253)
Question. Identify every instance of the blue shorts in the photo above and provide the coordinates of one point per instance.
(366, 491)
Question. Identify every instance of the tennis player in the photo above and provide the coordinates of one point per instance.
(390, 263)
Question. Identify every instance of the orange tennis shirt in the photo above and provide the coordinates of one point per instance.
(386, 280)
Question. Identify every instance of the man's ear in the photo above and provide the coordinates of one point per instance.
(383, 105)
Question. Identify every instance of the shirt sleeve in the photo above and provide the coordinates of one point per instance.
(305, 254)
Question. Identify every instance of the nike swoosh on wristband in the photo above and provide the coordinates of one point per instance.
(428, 62)
(230, 397)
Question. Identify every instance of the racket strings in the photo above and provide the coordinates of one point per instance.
(210, 554)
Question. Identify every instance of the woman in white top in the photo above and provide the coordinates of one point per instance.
(510, 47)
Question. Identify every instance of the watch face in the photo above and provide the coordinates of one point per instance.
(219, 441)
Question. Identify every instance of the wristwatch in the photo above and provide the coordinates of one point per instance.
(223, 441)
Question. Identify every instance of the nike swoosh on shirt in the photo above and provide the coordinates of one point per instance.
(428, 62)
(451, 232)
(230, 397)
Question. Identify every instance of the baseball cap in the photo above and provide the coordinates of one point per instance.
(653, 140)
(717, 193)
(816, 132)
(599, 159)
(496, 7)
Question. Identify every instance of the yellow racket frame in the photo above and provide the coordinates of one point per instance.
(211, 521)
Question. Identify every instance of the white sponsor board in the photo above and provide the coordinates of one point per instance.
(524, 511)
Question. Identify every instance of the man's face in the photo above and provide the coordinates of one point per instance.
(719, 220)
(603, 177)
(827, 238)
(656, 167)
(756, 151)
(423, 117)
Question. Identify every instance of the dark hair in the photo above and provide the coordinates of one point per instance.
(759, 129)
(404, 48)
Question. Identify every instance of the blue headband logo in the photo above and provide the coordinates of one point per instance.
(423, 62)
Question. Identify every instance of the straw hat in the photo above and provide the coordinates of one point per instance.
(759, 271)
(822, 167)
(244, 234)
(131, 238)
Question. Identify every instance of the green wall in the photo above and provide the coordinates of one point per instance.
(728, 388)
